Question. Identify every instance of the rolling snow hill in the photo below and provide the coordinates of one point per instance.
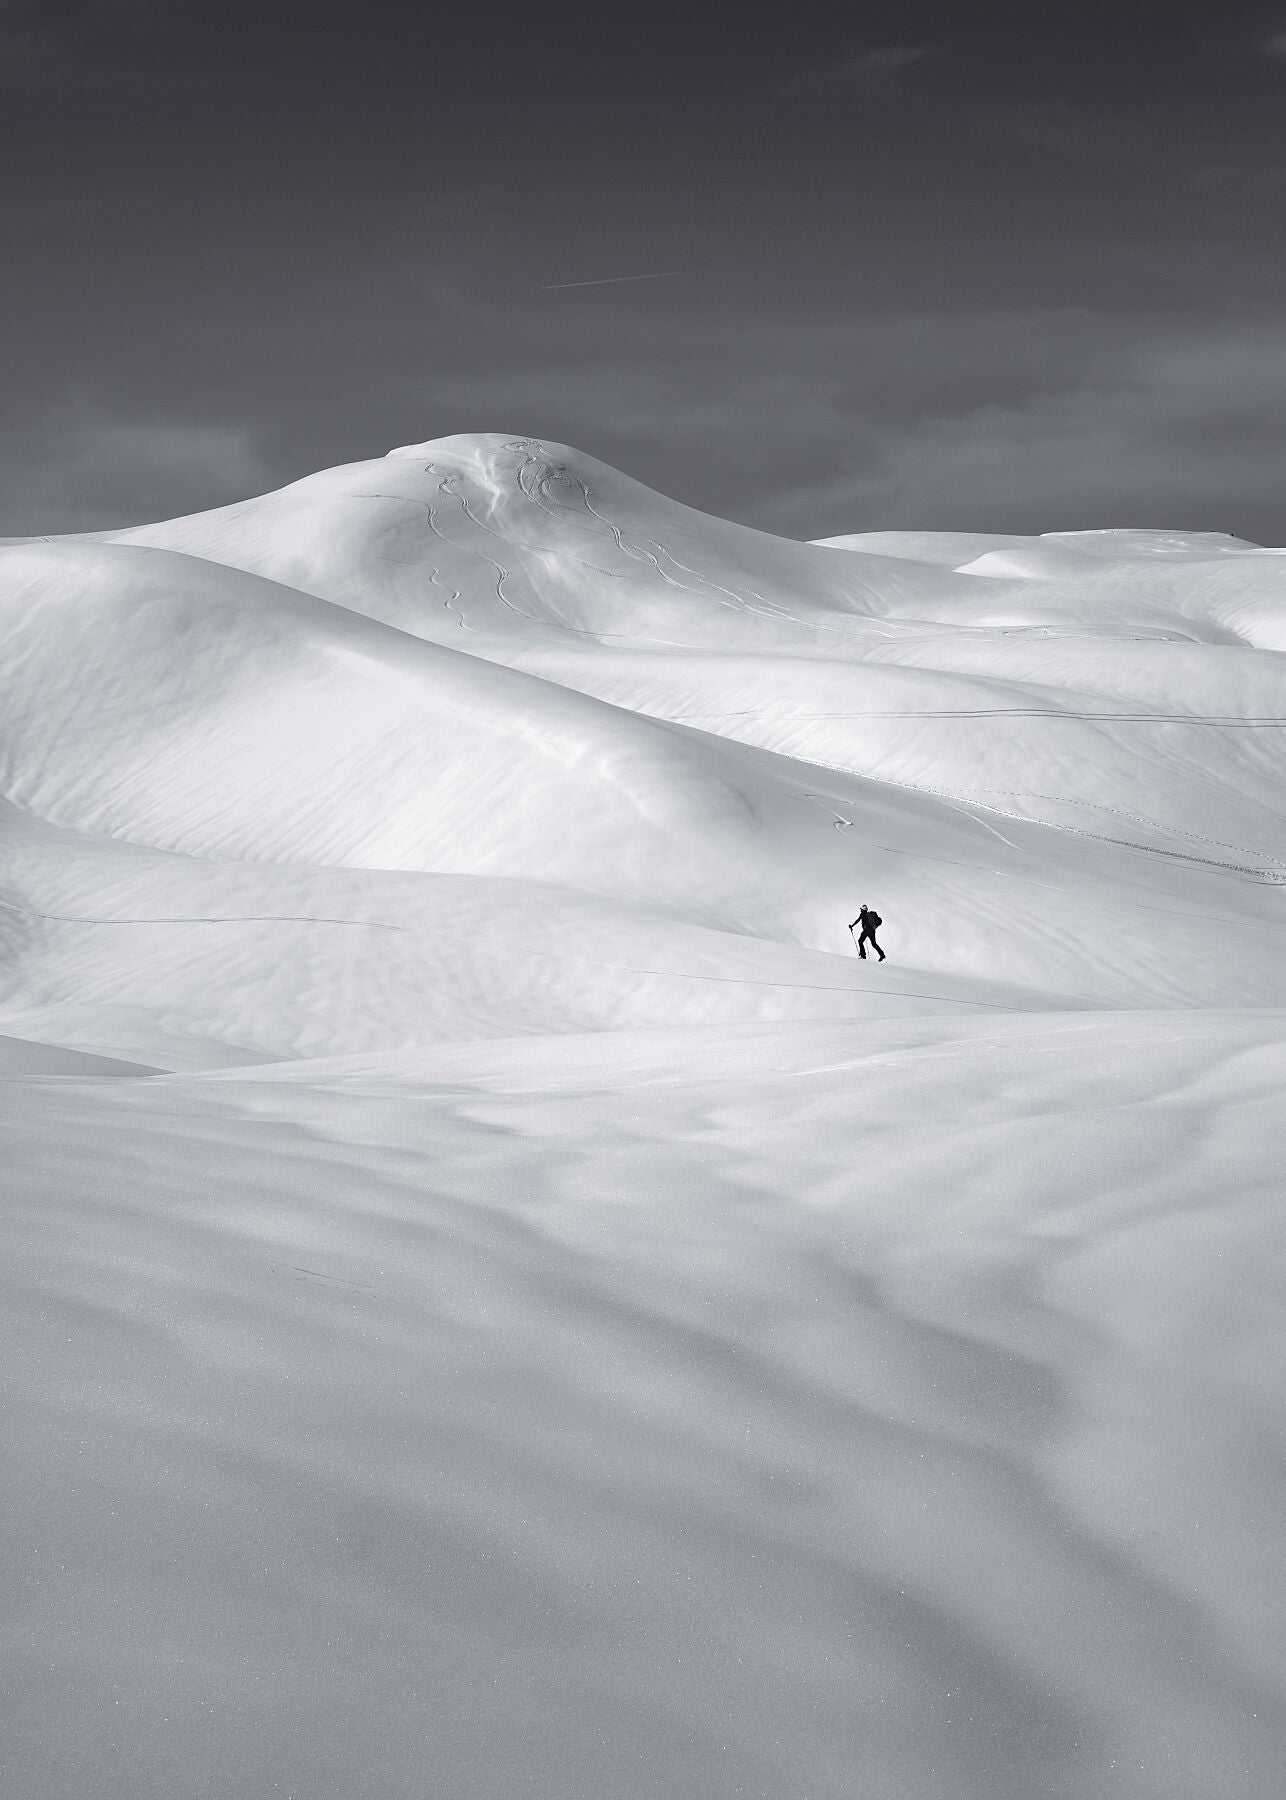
(501, 1300)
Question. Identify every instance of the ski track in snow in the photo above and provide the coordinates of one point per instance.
(648, 551)
(28, 912)
(571, 1334)
(477, 943)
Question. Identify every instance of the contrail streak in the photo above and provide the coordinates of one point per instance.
(611, 280)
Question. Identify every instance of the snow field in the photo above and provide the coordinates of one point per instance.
(556, 1323)
(757, 1411)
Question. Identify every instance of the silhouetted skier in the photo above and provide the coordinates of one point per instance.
(870, 923)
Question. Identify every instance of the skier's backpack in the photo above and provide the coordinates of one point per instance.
(873, 921)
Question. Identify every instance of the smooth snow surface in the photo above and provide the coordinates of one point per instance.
(561, 1325)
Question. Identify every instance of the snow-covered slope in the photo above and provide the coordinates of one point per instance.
(277, 694)
(564, 1325)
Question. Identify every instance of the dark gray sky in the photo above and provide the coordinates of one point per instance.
(940, 263)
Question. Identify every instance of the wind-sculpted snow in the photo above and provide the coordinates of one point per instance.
(806, 1411)
(563, 1325)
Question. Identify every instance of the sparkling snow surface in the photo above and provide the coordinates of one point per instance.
(498, 1300)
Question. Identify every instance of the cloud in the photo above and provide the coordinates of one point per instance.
(1182, 432)
(1128, 140)
(871, 71)
(85, 470)
(1020, 420)
(1276, 45)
